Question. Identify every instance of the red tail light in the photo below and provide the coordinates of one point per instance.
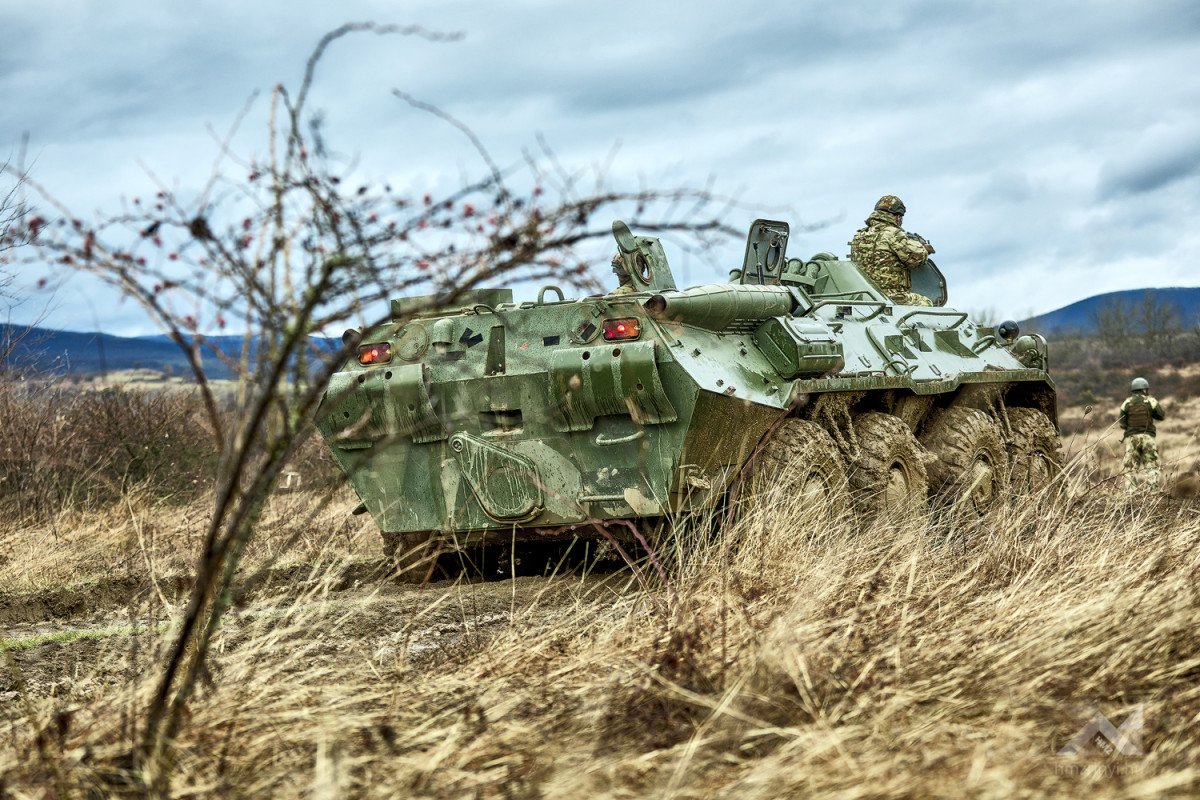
(380, 353)
(616, 330)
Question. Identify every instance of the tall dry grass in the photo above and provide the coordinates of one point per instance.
(788, 657)
(143, 537)
(111, 483)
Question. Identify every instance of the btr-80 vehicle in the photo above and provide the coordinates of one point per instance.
(496, 421)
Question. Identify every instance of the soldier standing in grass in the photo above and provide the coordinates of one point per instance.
(1138, 414)
(888, 254)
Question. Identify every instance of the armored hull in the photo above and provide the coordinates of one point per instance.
(495, 419)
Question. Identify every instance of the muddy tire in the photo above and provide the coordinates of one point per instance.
(413, 556)
(1037, 458)
(888, 479)
(970, 475)
(801, 463)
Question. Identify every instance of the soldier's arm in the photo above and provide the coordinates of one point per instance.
(909, 251)
(1156, 410)
(1121, 418)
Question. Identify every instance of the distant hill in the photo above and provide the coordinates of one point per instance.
(1080, 317)
(70, 352)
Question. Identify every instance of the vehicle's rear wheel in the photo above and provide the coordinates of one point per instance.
(413, 556)
(970, 474)
(1037, 460)
(800, 467)
(888, 478)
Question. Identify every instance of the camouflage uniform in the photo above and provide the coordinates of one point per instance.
(1137, 417)
(888, 255)
(625, 283)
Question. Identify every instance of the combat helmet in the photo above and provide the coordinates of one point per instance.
(1139, 385)
(891, 204)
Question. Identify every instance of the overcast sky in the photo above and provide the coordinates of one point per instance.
(1050, 150)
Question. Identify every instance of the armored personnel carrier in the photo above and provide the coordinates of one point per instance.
(494, 420)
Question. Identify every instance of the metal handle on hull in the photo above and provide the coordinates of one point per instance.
(542, 294)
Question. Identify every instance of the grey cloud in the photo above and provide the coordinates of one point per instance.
(1004, 186)
(1149, 168)
(809, 106)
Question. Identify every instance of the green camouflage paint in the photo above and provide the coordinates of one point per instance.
(493, 416)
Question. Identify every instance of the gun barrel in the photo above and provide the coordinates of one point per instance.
(714, 306)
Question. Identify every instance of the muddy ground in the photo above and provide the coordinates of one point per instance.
(71, 642)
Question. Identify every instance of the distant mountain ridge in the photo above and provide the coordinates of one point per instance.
(75, 353)
(1080, 317)
(72, 352)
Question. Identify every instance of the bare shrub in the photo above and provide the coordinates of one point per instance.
(289, 243)
(66, 448)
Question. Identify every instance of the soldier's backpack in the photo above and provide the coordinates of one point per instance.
(1137, 416)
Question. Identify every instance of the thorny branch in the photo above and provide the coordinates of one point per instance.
(292, 250)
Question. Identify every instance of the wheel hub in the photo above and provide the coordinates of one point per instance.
(814, 485)
(898, 488)
(1039, 471)
(983, 485)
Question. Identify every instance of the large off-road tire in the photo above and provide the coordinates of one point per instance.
(413, 556)
(1037, 456)
(970, 475)
(888, 478)
(800, 464)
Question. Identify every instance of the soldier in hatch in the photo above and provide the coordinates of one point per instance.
(625, 283)
(1138, 414)
(888, 255)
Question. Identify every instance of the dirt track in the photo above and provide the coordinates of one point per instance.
(70, 642)
(75, 602)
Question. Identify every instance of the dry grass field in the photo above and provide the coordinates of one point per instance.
(787, 657)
